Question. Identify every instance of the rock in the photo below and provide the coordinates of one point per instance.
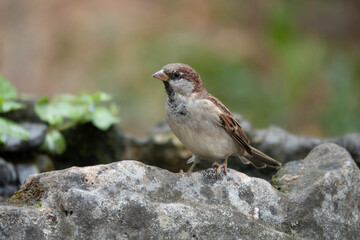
(283, 145)
(43, 162)
(88, 145)
(286, 147)
(129, 200)
(323, 194)
(26, 114)
(8, 180)
(7, 173)
(160, 148)
(163, 149)
(37, 132)
(17, 167)
(352, 143)
(24, 170)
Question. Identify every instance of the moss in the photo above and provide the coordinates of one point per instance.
(274, 181)
(276, 184)
(295, 223)
(29, 195)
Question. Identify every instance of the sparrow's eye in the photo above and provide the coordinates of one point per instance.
(176, 74)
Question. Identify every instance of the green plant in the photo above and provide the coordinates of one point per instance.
(295, 223)
(276, 184)
(66, 111)
(8, 96)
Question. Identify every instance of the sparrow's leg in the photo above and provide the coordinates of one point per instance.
(195, 161)
(220, 166)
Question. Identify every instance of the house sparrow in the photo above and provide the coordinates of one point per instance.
(203, 124)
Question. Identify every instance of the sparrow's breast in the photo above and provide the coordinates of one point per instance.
(195, 123)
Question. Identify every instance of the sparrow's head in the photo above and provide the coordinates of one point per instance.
(180, 78)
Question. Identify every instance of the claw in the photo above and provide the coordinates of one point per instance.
(220, 166)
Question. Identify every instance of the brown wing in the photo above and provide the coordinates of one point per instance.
(231, 125)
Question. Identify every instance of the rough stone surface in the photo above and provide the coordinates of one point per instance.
(323, 194)
(318, 199)
(12, 176)
(37, 132)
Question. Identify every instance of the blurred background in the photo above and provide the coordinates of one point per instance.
(295, 64)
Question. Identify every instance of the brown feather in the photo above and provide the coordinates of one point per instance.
(232, 126)
(259, 156)
(191, 74)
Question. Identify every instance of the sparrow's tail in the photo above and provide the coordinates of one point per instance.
(260, 159)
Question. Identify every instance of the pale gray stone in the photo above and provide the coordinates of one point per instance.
(318, 199)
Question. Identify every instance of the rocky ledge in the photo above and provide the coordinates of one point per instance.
(315, 198)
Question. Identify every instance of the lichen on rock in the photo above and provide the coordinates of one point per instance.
(29, 194)
(130, 200)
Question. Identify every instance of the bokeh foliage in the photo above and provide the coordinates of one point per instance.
(8, 97)
(290, 63)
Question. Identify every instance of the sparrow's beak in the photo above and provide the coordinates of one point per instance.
(161, 76)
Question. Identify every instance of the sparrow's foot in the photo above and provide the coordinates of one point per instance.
(181, 171)
(196, 161)
(220, 166)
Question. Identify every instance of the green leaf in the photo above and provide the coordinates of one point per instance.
(7, 91)
(10, 128)
(65, 97)
(56, 112)
(103, 119)
(54, 142)
(103, 97)
(114, 109)
(7, 106)
(3, 138)
(67, 110)
(46, 113)
(85, 98)
(93, 99)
